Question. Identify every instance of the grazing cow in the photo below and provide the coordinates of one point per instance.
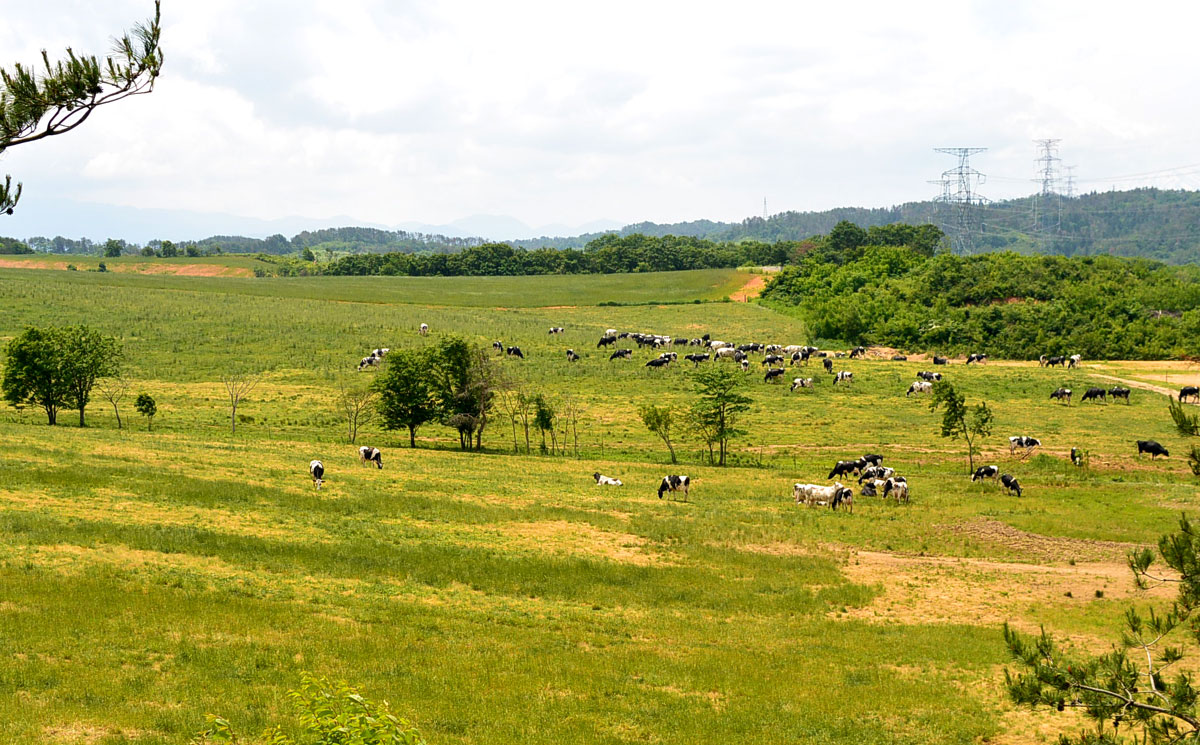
(828, 363)
(745, 363)
(1189, 391)
(876, 472)
(696, 359)
(771, 359)
(1052, 361)
(844, 376)
(844, 467)
(606, 340)
(1093, 394)
(369, 361)
(620, 354)
(381, 352)
(725, 352)
(556, 329)
(792, 349)
(606, 481)
(801, 383)
(659, 362)
(773, 349)
(610, 332)
(515, 352)
(897, 486)
(941, 360)
(674, 484)
(368, 454)
(798, 357)
(985, 472)
(672, 356)
(1152, 447)
(857, 352)
(980, 358)
(919, 386)
(1073, 361)
(1119, 392)
(1062, 394)
(899, 358)
(424, 330)
(498, 346)
(814, 494)
(1010, 483)
(1077, 456)
(931, 377)
(774, 374)
(872, 459)
(740, 356)
(1042, 361)
(316, 469)
(571, 356)
(1021, 441)
(714, 344)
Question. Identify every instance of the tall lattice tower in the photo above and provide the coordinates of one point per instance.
(1047, 175)
(960, 196)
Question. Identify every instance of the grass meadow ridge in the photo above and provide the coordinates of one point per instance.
(148, 578)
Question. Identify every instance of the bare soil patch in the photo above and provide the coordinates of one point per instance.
(184, 270)
(19, 264)
(752, 289)
(1046, 548)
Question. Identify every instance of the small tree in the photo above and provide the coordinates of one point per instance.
(357, 405)
(113, 389)
(721, 404)
(113, 248)
(168, 250)
(958, 422)
(659, 420)
(90, 356)
(406, 394)
(35, 371)
(238, 384)
(146, 406)
(1186, 424)
(543, 418)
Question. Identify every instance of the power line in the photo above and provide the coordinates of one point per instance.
(960, 194)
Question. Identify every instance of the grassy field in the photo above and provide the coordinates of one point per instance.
(149, 578)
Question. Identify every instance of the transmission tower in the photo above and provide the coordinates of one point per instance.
(1070, 182)
(1047, 173)
(959, 194)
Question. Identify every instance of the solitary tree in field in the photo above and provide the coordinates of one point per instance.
(238, 384)
(659, 420)
(720, 406)
(1130, 693)
(357, 405)
(958, 422)
(55, 368)
(113, 388)
(406, 394)
(40, 103)
(146, 406)
(465, 382)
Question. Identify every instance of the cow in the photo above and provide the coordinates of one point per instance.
(1010, 483)
(899, 358)
(801, 383)
(606, 481)
(1062, 394)
(726, 353)
(368, 361)
(740, 356)
(368, 454)
(696, 359)
(941, 360)
(620, 354)
(980, 358)
(774, 374)
(814, 494)
(857, 352)
(872, 459)
(498, 346)
(771, 359)
(424, 329)
(871, 488)
(515, 352)
(316, 469)
(745, 363)
(844, 467)
(843, 376)
(556, 329)
(1021, 441)
(610, 332)
(1052, 361)
(606, 340)
(659, 362)
(1119, 392)
(1042, 361)
(876, 472)
(931, 377)
(1093, 394)
(773, 349)
(1152, 447)
(1189, 391)
(571, 356)
(985, 472)
(673, 485)
(898, 487)
(828, 363)
(1077, 456)
(1073, 361)
(798, 357)
(381, 352)
(919, 386)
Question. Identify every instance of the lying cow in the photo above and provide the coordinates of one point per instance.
(674, 484)
(1152, 447)
(368, 454)
(979, 358)
(606, 481)
(556, 329)
(941, 360)
(316, 469)
(801, 383)
(873, 459)
(876, 472)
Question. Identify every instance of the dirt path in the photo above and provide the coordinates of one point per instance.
(1137, 384)
(752, 289)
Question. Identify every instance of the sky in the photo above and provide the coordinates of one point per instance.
(565, 113)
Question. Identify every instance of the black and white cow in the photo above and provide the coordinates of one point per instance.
(774, 374)
(1119, 392)
(696, 359)
(1021, 441)
(876, 472)
(828, 363)
(556, 329)
(899, 358)
(1052, 361)
(1153, 448)
(605, 481)
(571, 356)
(368, 454)
(1010, 483)
(918, 387)
(368, 361)
(985, 472)
(515, 352)
(980, 358)
(1073, 361)
(620, 354)
(801, 383)
(674, 484)
(424, 329)
(498, 346)
(844, 467)
(844, 376)
(771, 359)
(896, 486)
(606, 340)
(941, 360)
(316, 469)
(1189, 391)
(1095, 394)
(659, 362)
(931, 377)
(857, 352)
(1062, 394)
(873, 458)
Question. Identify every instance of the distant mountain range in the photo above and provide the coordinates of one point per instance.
(1152, 223)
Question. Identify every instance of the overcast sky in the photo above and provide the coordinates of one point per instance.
(566, 112)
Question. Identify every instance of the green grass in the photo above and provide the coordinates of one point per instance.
(149, 578)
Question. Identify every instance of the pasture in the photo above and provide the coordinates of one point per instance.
(150, 577)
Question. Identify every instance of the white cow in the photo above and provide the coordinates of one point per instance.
(919, 387)
(801, 383)
(316, 469)
(424, 329)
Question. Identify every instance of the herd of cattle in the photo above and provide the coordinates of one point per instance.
(873, 477)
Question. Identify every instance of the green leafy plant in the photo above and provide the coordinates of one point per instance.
(1186, 424)
(958, 422)
(146, 406)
